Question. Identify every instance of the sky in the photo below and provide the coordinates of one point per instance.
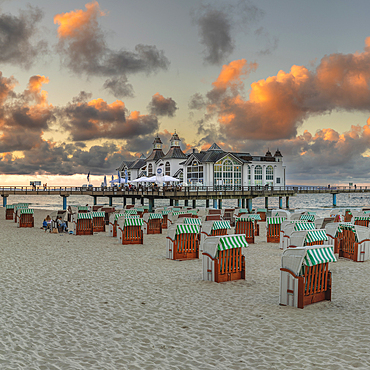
(85, 85)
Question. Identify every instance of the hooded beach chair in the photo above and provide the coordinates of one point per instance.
(262, 212)
(307, 217)
(304, 238)
(273, 229)
(362, 220)
(129, 230)
(228, 215)
(25, 217)
(17, 208)
(304, 275)
(9, 212)
(113, 223)
(153, 223)
(282, 213)
(289, 229)
(98, 221)
(213, 228)
(83, 209)
(82, 224)
(223, 258)
(182, 242)
(165, 222)
(246, 225)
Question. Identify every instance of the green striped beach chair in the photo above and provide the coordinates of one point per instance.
(129, 230)
(304, 275)
(25, 218)
(153, 223)
(223, 258)
(182, 242)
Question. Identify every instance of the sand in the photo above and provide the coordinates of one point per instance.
(87, 302)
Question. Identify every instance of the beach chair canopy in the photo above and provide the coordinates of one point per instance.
(298, 226)
(300, 238)
(179, 229)
(208, 226)
(130, 221)
(274, 220)
(214, 244)
(242, 210)
(307, 217)
(97, 214)
(10, 206)
(130, 211)
(293, 259)
(23, 211)
(152, 216)
(84, 216)
(362, 218)
(280, 213)
(192, 221)
(249, 216)
(261, 210)
(83, 208)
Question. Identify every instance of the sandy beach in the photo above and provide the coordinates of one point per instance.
(87, 302)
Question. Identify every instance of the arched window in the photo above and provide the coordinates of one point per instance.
(150, 169)
(168, 169)
(249, 175)
(270, 175)
(227, 172)
(195, 173)
(258, 175)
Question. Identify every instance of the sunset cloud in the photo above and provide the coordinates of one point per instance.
(162, 106)
(83, 48)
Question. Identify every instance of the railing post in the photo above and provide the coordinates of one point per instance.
(95, 200)
(266, 202)
(186, 202)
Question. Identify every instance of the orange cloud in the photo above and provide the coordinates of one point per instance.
(71, 23)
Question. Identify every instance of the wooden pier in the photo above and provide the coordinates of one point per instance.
(184, 193)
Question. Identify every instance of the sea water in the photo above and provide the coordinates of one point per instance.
(319, 203)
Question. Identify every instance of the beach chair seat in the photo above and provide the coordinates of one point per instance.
(130, 230)
(273, 229)
(354, 242)
(223, 258)
(82, 224)
(182, 242)
(9, 212)
(98, 221)
(362, 221)
(153, 223)
(304, 275)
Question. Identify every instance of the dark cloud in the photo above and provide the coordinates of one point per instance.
(96, 119)
(197, 102)
(161, 106)
(18, 44)
(119, 87)
(83, 48)
(217, 27)
(271, 43)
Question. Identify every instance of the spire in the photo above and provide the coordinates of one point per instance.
(157, 143)
(175, 140)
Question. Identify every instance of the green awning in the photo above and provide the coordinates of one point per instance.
(316, 236)
(218, 225)
(166, 212)
(176, 210)
(140, 209)
(130, 211)
(187, 229)
(23, 211)
(362, 218)
(10, 206)
(22, 205)
(118, 215)
(261, 210)
(83, 208)
(193, 221)
(243, 210)
(155, 216)
(316, 256)
(307, 218)
(98, 214)
(84, 216)
(130, 221)
(179, 213)
(275, 220)
(304, 226)
(232, 241)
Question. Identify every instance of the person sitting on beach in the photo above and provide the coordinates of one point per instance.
(62, 227)
(48, 220)
(45, 224)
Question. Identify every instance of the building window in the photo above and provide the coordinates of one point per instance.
(227, 172)
(270, 175)
(150, 169)
(278, 180)
(258, 175)
(195, 173)
(129, 176)
(249, 175)
(168, 169)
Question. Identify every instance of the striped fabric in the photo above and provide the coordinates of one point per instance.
(232, 241)
(362, 218)
(316, 236)
(176, 210)
(193, 221)
(192, 211)
(117, 215)
(253, 216)
(187, 229)
(347, 226)
(179, 213)
(83, 208)
(154, 216)
(130, 211)
(317, 256)
(304, 226)
(23, 211)
(275, 220)
(132, 216)
(244, 219)
(140, 209)
(130, 221)
(307, 218)
(22, 205)
(10, 206)
(84, 216)
(166, 211)
(261, 210)
(98, 214)
(218, 225)
(243, 210)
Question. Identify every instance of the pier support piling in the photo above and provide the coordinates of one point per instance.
(266, 202)
(186, 202)
(243, 203)
(95, 200)
(151, 204)
(64, 202)
(194, 203)
(287, 202)
(171, 202)
(249, 205)
(133, 200)
(215, 203)
(124, 202)
(176, 202)
(110, 201)
(334, 200)
(239, 203)
(219, 204)
(207, 203)
(5, 199)
(280, 202)
(142, 201)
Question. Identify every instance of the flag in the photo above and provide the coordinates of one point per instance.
(88, 177)
(105, 181)
(119, 177)
(126, 176)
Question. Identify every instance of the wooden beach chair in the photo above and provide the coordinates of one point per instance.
(82, 224)
(223, 258)
(17, 209)
(214, 211)
(304, 238)
(153, 223)
(165, 222)
(213, 228)
(262, 212)
(292, 228)
(98, 221)
(228, 215)
(273, 229)
(108, 211)
(348, 215)
(354, 242)
(304, 275)
(182, 242)
(9, 212)
(83, 209)
(129, 230)
(282, 213)
(362, 221)
(246, 225)
(25, 218)
(113, 221)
